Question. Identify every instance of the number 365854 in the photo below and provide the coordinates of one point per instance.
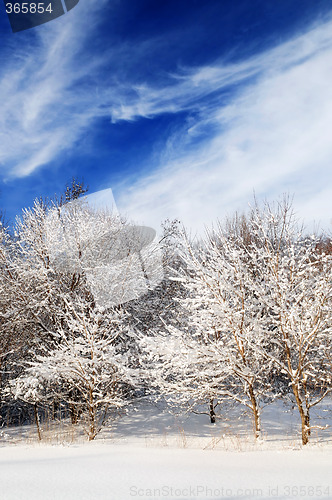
(28, 8)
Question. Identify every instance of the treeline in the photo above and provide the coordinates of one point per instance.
(242, 315)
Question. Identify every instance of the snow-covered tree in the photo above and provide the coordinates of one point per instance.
(294, 282)
(75, 264)
(91, 359)
(256, 317)
(181, 367)
(15, 332)
(6, 338)
(159, 306)
(218, 349)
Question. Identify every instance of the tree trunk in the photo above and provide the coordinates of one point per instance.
(74, 407)
(304, 414)
(74, 414)
(92, 417)
(37, 421)
(305, 424)
(256, 413)
(55, 409)
(212, 412)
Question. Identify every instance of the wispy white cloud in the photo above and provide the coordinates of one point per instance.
(258, 124)
(43, 110)
(187, 89)
(271, 136)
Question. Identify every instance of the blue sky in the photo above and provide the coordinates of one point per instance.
(185, 108)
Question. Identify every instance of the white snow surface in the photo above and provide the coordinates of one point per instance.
(119, 472)
(152, 454)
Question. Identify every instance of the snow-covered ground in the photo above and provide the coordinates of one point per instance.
(152, 454)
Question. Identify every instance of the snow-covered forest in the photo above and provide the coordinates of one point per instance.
(240, 318)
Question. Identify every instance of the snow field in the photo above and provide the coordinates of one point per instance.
(152, 454)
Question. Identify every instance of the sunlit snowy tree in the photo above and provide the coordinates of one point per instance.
(15, 328)
(294, 282)
(77, 265)
(218, 350)
(91, 358)
(256, 314)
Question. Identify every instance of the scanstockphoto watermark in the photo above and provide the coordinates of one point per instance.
(198, 491)
(204, 491)
(26, 14)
